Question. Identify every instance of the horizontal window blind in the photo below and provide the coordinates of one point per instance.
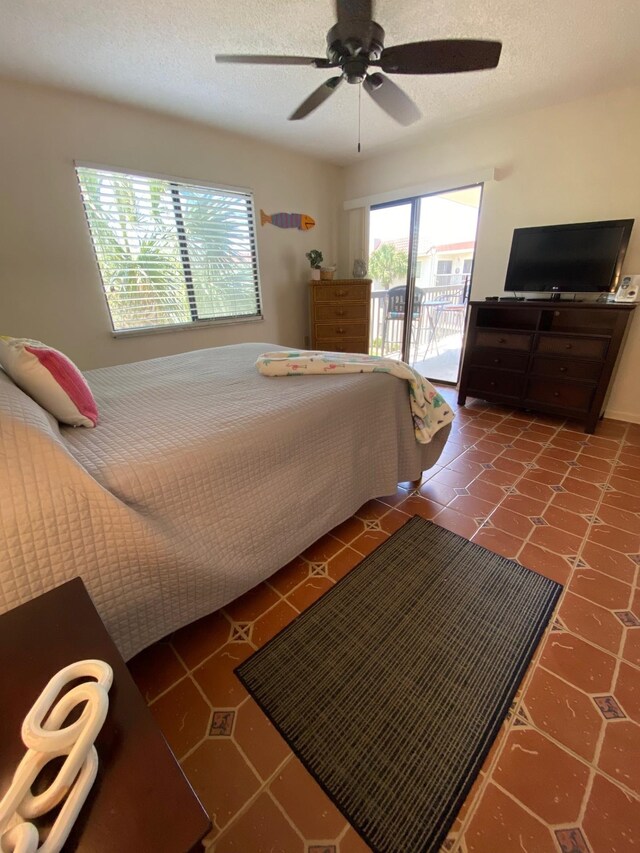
(170, 252)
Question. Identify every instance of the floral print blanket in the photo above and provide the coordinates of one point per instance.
(429, 410)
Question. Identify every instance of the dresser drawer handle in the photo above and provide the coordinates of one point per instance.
(563, 370)
(568, 346)
(502, 340)
(497, 360)
(340, 331)
(341, 292)
(493, 384)
(340, 313)
(556, 393)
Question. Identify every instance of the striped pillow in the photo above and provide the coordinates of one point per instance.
(51, 379)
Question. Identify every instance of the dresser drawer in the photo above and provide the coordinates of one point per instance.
(336, 292)
(556, 392)
(495, 382)
(573, 347)
(503, 340)
(347, 345)
(565, 368)
(344, 311)
(341, 330)
(501, 359)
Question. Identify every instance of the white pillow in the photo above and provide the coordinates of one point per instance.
(51, 379)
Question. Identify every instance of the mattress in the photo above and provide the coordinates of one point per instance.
(201, 479)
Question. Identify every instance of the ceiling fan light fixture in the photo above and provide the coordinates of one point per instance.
(355, 69)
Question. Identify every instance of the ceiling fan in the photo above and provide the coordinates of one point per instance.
(356, 43)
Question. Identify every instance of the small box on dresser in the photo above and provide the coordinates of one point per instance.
(549, 357)
(339, 314)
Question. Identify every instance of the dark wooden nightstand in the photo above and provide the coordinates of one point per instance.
(141, 801)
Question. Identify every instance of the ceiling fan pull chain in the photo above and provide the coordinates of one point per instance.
(359, 113)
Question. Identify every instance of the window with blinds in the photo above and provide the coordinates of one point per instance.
(171, 253)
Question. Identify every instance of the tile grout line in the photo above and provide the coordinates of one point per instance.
(588, 788)
(617, 659)
(460, 841)
(577, 755)
(282, 809)
(535, 661)
(615, 655)
(512, 716)
(550, 501)
(263, 789)
(528, 809)
(523, 474)
(603, 733)
(518, 701)
(153, 701)
(607, 482)
(601, 497)
(191, 670)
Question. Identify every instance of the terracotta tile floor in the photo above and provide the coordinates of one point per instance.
(564, 773)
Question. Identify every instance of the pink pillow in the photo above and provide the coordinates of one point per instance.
(51, 379)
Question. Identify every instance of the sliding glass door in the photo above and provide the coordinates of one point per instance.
(389, 237)
(421, 254)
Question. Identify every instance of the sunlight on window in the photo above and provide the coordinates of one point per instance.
(171, 253)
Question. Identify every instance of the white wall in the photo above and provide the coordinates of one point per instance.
(49, 283)
(576, 161)
(573, 162)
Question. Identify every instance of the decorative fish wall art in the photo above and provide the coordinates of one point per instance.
(288, 220)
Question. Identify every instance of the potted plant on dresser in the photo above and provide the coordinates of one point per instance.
(315, 259)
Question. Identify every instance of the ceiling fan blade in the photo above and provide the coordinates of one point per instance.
(392, 99)
(445, 56)
(244, 59)
(316, 98)
(353, 10)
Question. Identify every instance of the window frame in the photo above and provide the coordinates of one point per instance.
(195, 322)
(444, 261)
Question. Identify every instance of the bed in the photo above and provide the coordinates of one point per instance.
(201, 479)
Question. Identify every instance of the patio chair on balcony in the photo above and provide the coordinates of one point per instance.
(444, 311)
(456, 313)
(451, 317)
(395, 311)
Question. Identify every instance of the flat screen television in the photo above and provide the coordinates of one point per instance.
(584, 257)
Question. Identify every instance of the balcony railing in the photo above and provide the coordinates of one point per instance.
(452, 278)
(431, 323)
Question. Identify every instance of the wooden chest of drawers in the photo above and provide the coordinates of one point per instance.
(339, 314)
(538, 356)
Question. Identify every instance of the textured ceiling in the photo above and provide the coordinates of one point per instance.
(159, 54)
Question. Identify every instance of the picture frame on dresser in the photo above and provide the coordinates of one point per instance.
(339, 314)
(547, 357)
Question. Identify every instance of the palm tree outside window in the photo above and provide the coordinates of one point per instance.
(171, 253)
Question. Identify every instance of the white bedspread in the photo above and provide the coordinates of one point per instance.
(183, 497)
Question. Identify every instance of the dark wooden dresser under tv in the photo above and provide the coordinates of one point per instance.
(555, 357)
